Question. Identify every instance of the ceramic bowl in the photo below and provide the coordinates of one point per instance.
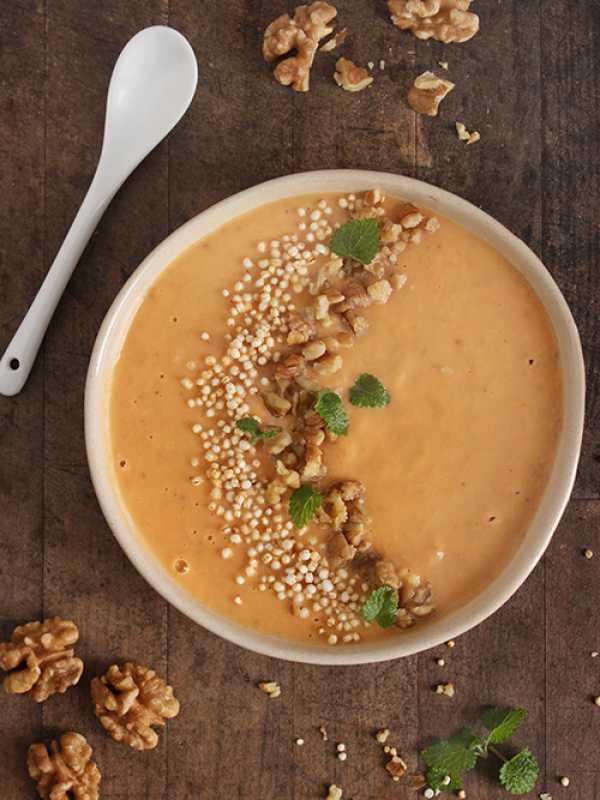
(114, 330)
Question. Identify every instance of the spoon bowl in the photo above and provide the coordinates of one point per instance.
(151, 88)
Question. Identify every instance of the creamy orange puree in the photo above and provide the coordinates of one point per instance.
(454, 467)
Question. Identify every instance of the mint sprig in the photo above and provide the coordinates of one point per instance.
(252, 427)
(369, 392)
(448, 759)
(357, 239)
(304, 504)
(331, 409)
(381, 607)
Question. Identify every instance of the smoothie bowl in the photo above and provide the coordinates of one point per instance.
(336, 418)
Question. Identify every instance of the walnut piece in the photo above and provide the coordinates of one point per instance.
(396, 767)
(66, 771)
(445, 20)
(44, 652)
(427, 93)
(334, 793)
(301, 34)
(351, 77)
(465, 136)
(129, 700)
(272, 688)
(335, 41)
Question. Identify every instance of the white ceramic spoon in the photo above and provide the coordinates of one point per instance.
(151, 88)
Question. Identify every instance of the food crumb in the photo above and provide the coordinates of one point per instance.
(545, 796)
(564, 781)
(299, 742)
(594, 654)
(323, 732)
(443, 64)
(341, 747)
(396, 767)
(446, 689)
(428, 793)
(272, 688)
(588, 553)
(334, 793)
(342, 756)
(371, 64)
(382, 64)
(382, 735)
(450, 643)
(462, 795)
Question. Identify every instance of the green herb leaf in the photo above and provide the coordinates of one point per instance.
(252, 427)
(520, 774)
(502, 722)
(330, 407)
(381, 607)
(442, 781)
(304, 504)
(357, 239)
(369, 392)
(451, 758)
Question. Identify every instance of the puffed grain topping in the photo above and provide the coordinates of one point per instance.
(130, 700)
(40, 659)
(445, 20)
(65, 770)
(350, 76)
(301, 34)
(427, 92)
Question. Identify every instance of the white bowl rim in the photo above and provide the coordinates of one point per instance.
(560, 483)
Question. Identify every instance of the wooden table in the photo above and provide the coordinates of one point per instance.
(529, 83)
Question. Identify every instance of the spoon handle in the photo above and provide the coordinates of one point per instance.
(18, 359)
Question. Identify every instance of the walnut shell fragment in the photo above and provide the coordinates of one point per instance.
(129, 700)
(65, 770)
(301, 34)
(445, 20)
(47, 660)
(427, 92)
(350, 76)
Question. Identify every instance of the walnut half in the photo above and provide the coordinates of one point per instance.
(445, 20)
(44, 653)
(301, 34)
(66, 770)
(129, 700)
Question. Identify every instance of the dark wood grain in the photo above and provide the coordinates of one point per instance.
(21, 424)
(527, 83)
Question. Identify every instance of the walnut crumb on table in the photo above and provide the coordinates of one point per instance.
(427, 92)
(382, 735)
(465, 136)
(334, 793)
(351, 77)
(272, 688)
(447, 689)
(396, 767)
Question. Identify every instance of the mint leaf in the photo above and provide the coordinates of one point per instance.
(304, 504)
(330, 407)
(381, 606)
(442, 781)
(369, 392)
(502, 722)
(520, 774)
(451, 758)
(252, 427)
(357, 239)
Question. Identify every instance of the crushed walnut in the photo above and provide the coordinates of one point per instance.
(427, 92)
(351, 77)
(44, 653)
(301, 34)
(465, 136)
(396, 767)
(336, 41)
(334, 793)
(445, 20)
(65, 770)
(130, 701)
(272, 688)
(283, 352)
(447, 689)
